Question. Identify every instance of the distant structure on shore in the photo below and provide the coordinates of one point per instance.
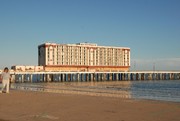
(21, 68)
(83, 57)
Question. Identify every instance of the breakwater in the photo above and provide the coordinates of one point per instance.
(93, 76)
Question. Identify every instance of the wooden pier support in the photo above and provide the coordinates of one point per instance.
(142, 76)
(92, 76)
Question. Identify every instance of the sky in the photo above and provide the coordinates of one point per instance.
(151, 28)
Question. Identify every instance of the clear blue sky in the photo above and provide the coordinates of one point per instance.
(151, 28)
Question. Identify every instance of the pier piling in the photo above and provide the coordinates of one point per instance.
(21, 77)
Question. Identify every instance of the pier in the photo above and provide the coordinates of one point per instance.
(23, 77)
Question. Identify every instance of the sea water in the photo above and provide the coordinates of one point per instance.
(165, 90)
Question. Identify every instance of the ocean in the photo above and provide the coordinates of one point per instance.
(164, 90)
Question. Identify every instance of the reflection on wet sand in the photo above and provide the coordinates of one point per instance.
(108, 89)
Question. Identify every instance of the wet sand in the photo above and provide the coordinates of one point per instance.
(44, 106)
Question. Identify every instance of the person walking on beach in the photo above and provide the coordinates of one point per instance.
(5, 77)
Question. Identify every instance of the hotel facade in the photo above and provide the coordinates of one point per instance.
(83, 57)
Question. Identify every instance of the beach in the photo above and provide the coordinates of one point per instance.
(45, 106)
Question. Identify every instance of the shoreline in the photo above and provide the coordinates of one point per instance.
(93, 95)
(44, 106)
(109, 89)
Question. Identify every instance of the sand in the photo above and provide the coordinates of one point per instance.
(41, 106)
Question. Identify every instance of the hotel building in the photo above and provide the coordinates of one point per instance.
(83, 57)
